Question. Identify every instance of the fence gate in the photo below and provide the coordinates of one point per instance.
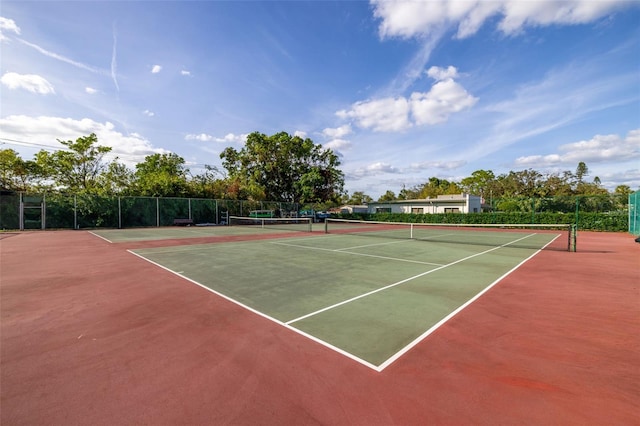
(32, 212)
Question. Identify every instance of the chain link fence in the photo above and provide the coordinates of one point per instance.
(82, 211)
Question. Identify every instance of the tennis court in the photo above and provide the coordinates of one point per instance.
(370, 299)
(323, 328)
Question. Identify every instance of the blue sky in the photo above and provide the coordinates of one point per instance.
(402, 91)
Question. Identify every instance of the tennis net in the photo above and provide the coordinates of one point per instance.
(297, 224)
(535, 236)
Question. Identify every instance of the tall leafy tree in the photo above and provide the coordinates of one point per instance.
(481, 182)
(161, 175)
(77, 167)
(17, 174)
(387, 196)
(285, 168)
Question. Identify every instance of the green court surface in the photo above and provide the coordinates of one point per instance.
(371, 299)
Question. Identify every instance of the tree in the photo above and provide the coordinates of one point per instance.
(481, 182)
(623, 190)
(357, 198)
(77, 167)
(387, 196)
(581, 171)
(16, 174)
(117, 179)
(435, 187)
(285, 168)
(161, 175)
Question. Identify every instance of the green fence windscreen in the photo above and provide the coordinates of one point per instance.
(634, 213)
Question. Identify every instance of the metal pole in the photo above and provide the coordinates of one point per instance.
(75, 211)
(21, 212)
(119, 214)
(158, 212)
(43, 212)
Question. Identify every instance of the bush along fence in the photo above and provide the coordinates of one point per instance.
(81, 211)
(593, 213)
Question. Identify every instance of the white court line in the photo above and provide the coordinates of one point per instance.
(100, 236)
(378, 368)
(402, 281)
(373, 245)
(355, 254)
(455, 312)
(263, 315)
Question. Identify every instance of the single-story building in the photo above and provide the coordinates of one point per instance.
(350, 209)
(458, 203)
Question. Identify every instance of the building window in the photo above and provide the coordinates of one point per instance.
(383, 209)
(451, 210)
(417, 210)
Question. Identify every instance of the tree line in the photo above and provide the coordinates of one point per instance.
(279, 167)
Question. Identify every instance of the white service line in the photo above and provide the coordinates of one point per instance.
(356, 254)
(402, 281)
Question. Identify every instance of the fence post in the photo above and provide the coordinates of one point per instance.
(157, 212)
(21, 212)
(119, 214)
(75, 211)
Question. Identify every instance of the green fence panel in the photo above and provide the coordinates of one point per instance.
(9, 211)
(634, 213)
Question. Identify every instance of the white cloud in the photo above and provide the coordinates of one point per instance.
(31, 82)
(185, 72)
(408, 19)
(131, 148)
(90, 90)
(228, 138)
(338, 132)
(300, 134)
(438, 73)
(443, 165)
(599, 149)
(446, 97)
(202, 137)
(374, 169)
(148, 113)
(381, 115)
(8, 25)
(337, 144)
(156, 69)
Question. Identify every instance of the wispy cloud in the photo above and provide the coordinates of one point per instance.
(599, 149)
(114, 62)
(8, 25)
(156, 69)
(63, 58)
(148, 113)
(90, 90)
(228, 138)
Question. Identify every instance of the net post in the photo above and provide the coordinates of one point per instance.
(326, 225)
(573, 238)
